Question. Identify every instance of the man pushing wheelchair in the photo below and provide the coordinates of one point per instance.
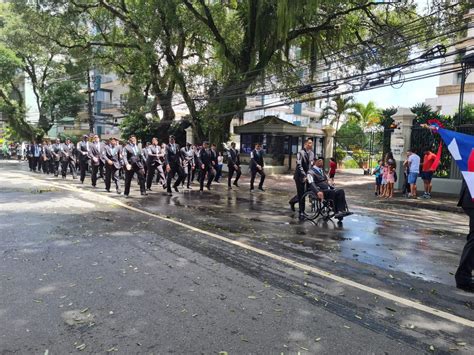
(315, 196)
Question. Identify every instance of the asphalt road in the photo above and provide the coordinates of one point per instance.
(83, 271)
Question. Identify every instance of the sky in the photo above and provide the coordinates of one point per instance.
(407, 96)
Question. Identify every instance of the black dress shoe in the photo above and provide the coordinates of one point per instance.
(235, 183)
(175, 188)
(261, 189)
(208, 187)
(301, 217)
(149, 189)
(466, 286)
(292, 206)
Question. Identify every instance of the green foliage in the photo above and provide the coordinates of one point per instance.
(350, 164)
(340, 154)
(351, 136)
(340, 107)
(366, 115)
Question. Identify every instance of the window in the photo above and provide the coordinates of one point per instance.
(458, 78)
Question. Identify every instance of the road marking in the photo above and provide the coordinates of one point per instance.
(282, 259)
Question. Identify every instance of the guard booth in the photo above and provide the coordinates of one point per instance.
(281, 140)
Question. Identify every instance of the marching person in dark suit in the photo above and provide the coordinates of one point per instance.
(152, 161)
(145, 158)
(187, 155)
(95, 154)
(34, 153)
(318, 182)
(56, 153)
(133, 163)
(304, 160)
(233, 165)
(112, 156)
(46, 157)
(173, 165)
(206, 167)
(256, 166)
(83, 152)
(68, 159)
(463, 274)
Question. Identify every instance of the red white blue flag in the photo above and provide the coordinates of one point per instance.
(461, 147)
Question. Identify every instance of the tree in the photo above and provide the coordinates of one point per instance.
(366, 115)
(42, 61)
(11, 98)
(340, 107)
(254, 40)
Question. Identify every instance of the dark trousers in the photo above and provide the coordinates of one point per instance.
(129, 175)
(150, 174)
(68, 164)
(466, 264)
(189, 175)
(95, 171)
(298, 198)
(112, 173)
(30, 163)
(253, 173)
(83, 167)
(56, 167)
(218, 172)
(202, 176)
(175, 169)
(238, 172)
(36, 164)
(339, 198)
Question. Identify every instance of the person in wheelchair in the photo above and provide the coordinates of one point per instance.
(318, 182)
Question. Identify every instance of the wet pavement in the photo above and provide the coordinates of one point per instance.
(81, 273)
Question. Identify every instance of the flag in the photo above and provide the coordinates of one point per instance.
(461, 147)
(437, 160)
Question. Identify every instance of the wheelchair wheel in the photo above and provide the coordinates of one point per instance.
(311, 210)
(326, 209)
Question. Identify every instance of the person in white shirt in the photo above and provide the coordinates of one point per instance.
(413, 162)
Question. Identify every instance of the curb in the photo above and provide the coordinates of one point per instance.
(426, 206)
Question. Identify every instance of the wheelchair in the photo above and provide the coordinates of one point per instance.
(315, 208)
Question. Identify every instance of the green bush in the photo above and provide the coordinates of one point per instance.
(350, 164)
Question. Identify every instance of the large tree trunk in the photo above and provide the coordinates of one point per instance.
(165, 102)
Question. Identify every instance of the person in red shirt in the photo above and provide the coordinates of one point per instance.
(332, 170)
(426, 172)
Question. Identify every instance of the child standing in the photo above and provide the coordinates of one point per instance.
(378, 177)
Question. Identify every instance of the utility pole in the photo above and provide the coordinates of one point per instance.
(90, 103)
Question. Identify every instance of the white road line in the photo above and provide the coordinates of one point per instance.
(282, 259)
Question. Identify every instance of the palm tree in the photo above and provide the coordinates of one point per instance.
(340, 106)
(366, 115)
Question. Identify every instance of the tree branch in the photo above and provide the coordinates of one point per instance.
(209, 22)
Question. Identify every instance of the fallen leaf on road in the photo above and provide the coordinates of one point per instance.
(390, 309)
(302, 348)
(461, 344)
(252, 297)
(112, 349)
(358, 317)
(317, 339)
(391, 276)
(432, 348)
(38, 300)
(243, 339)
(81, 347)
(84, 310)
(223, 353)
(347, 327)
(46, 352)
